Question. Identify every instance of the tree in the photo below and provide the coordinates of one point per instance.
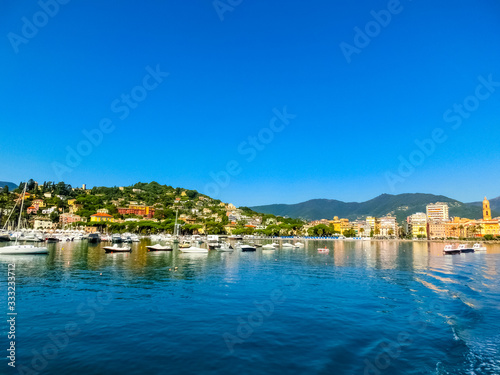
(6, 189)
(54, 217)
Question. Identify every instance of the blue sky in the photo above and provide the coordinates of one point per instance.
(350, 125)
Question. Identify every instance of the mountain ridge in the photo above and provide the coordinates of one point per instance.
(400, 205)
(11, 185)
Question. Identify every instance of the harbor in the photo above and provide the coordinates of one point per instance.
(283, 305)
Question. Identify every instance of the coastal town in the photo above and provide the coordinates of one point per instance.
(154, 208)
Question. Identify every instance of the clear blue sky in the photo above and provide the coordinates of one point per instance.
(353, 119)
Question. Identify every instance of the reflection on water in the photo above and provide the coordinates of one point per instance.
(380, 307)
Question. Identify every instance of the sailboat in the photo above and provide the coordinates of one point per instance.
(22, 249)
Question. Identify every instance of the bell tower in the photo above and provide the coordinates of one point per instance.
(486, 209)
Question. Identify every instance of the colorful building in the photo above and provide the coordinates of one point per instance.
(139, 210)
(100, 217)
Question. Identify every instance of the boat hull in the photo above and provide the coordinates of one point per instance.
(110, 249)
(23, 250)
(159, 248)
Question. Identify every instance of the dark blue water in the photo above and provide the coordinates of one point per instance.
(363, 308)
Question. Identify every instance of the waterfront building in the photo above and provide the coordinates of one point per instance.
(438, 212)
(100, 217)
(388, 226)
(42, 224)
(418, 224)
(437, 229)
(374, 224)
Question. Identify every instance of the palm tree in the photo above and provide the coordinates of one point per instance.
(461, 227)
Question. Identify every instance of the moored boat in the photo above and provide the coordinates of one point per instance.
(479, 247)
(117, 249)
(159, 247)
(23, 250)
(244, 247)
(193, 249)
(449, 249)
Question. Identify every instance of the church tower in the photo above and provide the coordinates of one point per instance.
(486, 209)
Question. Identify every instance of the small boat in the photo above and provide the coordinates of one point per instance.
(479, 247)
(116, 238)
(193, 249)
(290, 245)
(225, 247)
(52, 239)
(94, 238)
(185, 245)
(299, 244)
(23, 250)
(269, 246)
(159, 247)
(116, 249)
(244, 247)
(323, 250)
(449, 249)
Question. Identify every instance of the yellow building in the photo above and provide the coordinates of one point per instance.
(71, 202)
(100, 217)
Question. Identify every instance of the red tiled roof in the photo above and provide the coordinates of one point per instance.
(101, 215)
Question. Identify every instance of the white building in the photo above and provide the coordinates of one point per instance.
(43, 224)
(438, 212)
(388, 226)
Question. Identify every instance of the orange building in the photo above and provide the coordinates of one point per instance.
(139, 210)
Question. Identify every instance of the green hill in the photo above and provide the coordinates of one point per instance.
(401, 206)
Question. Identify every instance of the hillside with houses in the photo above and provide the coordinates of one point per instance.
(143, 208)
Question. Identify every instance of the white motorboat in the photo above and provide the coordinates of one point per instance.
(299, 244)
(289, 245)
(117, 249)
(269, 246)
(23, 250)
(159, 247)
(244, 247)
(323, 250)
(193, 249)
(479, 247)
(449, 249)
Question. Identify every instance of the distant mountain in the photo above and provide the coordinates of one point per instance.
(401, 206)
(494, 204)
(11, 185)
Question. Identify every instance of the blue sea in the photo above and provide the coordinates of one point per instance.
(378, 307)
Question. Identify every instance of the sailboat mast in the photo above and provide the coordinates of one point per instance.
(21, 213)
